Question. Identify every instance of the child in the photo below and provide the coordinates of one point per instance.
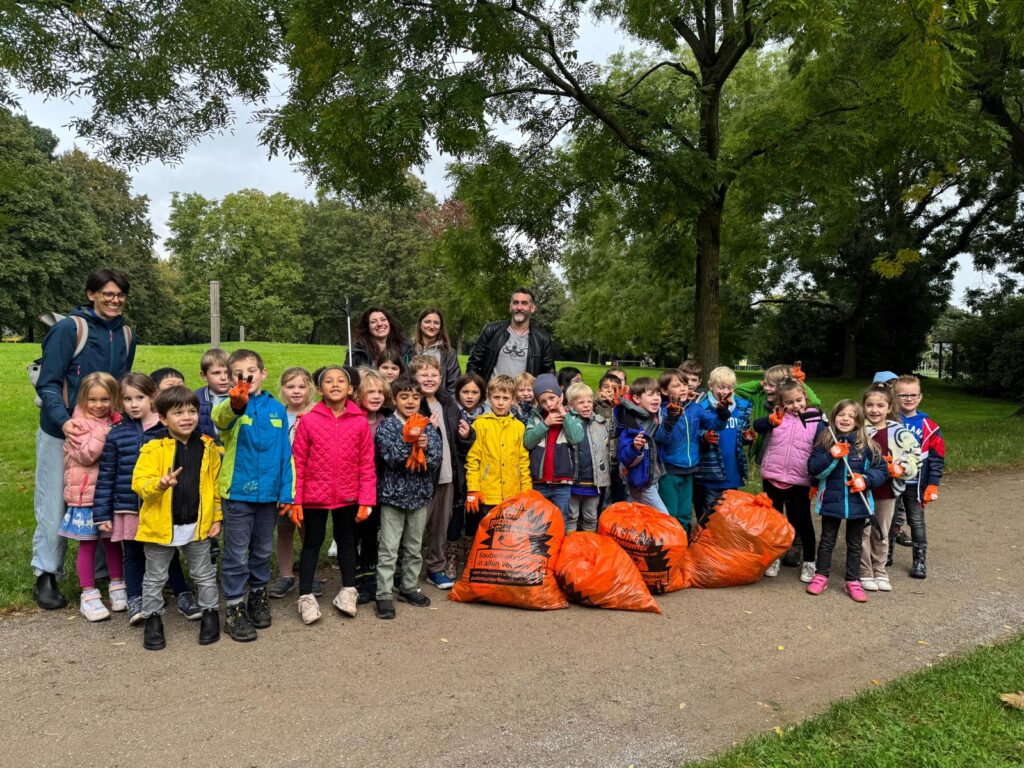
(678, 441)
(845, 463)
(450, 484)
(922, 491)
(592, 474)
(96, 396)
(391, 365)
(522, 408)
(723, 461)
(213, 369)
(116, 502)
(469, 391)
(551, 438)
(636, 426)
(374, 397)
(403, 493)
(568, 376)
(902, 456)
(497, 466)
(692, 372)
(607, 398)
(334, 473)
(620, 374)
(258, 476)
(296, 392)
(165, 378)
(762, 397)
(790, 431)
(176, 478)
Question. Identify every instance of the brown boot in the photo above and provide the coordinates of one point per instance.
(451, 549)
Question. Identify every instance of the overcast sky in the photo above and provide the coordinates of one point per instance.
(224, 164)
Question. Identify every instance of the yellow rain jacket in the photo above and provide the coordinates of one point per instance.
(498, 465)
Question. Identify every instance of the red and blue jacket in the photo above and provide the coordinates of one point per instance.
(933, 451)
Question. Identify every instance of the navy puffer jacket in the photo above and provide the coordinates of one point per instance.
(117, 463)
(834, 498)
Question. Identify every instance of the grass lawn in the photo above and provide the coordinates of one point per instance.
(949, 715)
(980, 432)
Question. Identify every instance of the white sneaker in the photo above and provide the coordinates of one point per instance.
(92, 607)
(118, 596)
(883, 584)
(346, 601)
(309, 609)
(807, 572)
(332, 551)
(869, 585)
(773, 569)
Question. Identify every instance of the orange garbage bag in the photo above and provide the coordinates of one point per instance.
(738, 542)
(513, 556)
(595, 570)
(656, 543)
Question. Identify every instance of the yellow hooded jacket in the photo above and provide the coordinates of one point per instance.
(156, 460)
(498, 465)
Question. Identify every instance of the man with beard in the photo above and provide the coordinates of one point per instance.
(511, 347)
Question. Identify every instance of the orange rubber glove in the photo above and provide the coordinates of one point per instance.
(798, 372)
(710, 437)
(414, 427)
(839, 450)
(749, 435)
(293, 513)
(895, 470)
(620, 393)
(239, 395)
(674, 409)
(931, 493)
(363, 513)
(775, 417)
(472, 502)
(813, 493)
(856, 483)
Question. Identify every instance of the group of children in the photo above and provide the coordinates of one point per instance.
(407, 473)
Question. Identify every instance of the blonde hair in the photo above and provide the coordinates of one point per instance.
(420, 362)
(212, 357)
(777, 374)
(368, 376)
(502, 383)
(98, 379)
(525, 380)
(723, 375)
(576, 391)
(863, 441)
(295, 372)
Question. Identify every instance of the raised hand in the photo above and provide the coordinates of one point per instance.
(775, 417)
(839, 450)
(798, 372)
(674, 408)
(710, 437)
(463, 429)
(640, 441)
(239, 394)
(293, 513)
(620, 393)
(414, 426)
(170, 479)
(856, 483)
(749, 435)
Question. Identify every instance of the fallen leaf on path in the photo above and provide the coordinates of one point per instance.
(923, 642)
(444, 639)
(874, 681)
(121, 643)
(682, 705)
(778, 731)
(1007, 626)
(1015, 700)
(780, 648)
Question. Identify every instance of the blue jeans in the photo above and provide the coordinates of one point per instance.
(558, 494)
(47, 547)
(248, 539)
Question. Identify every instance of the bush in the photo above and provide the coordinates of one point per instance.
(989, 344)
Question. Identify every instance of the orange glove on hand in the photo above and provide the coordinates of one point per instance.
(363, 513)
(813, 493)
(839, 450)
(414, 427)
(710, 437)
(674, 409)
(293, 512)
(239, 394)
(749, 435)
(472, 502)
(775, 417)
(856, 483)
(620, 393)
(931, 493)
(895, 470)
(798, 372)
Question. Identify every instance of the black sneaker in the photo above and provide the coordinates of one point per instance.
(281, 586)
(237, 624)
(259, 608)
(385, 609)
(416, 598)
(903, 539)
(153, 636)
(318, 587)
(187, 606)
(794, 557)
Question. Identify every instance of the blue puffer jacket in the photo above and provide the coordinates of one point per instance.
(396, 485)
(711, 469)
(104, 351)
(679, 438)
(631, 420)
(834, 497)
(206, 403)
(117, 463)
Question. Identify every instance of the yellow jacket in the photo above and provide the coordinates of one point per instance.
(156, 460)
(498, 465)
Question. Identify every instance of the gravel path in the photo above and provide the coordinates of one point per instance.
(471, 685)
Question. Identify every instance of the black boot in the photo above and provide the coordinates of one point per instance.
(237, 624)
(919, 569)
(892, 548)
(153, 636)
(794, 556)
(366, 586)
(259, 608)
(47, 593)
(209, 628)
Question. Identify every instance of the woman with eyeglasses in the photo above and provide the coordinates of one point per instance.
(92, 338)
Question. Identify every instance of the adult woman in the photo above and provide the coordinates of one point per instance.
(108, 347)
(431, 338)
(377, 331)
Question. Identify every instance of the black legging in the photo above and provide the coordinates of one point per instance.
(796, 502)
(315, 523)
(367, 533)
(854, 538)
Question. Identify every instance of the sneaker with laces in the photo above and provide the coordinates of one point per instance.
(118, 596)
(347, 600)
(135, 616)
(883, 584)
(440, 580)
(869, 584)
(237, 624)
(91, 606)
(818, 584)
(385, 609)
(807, 571)
(416, 597)
(903, 539)
(188, 607)
(259, 608)
(855, 591)
(309, 609)
(282, 586)
(773, 569)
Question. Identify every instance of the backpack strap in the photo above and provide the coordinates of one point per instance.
(81, 338)
(127, 345)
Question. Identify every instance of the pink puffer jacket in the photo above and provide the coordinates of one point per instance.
(789, 447)
(334, 464)
(82, 459)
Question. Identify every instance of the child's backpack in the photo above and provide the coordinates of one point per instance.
(50, 319)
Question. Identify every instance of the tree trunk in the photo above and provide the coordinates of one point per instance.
(706, 310)
(314, 332)
(849, 355)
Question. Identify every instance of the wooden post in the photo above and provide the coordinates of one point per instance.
(215, 313)
(241, 334)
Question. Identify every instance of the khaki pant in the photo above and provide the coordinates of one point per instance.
(875, 547)
(400, 527)
(439, 513)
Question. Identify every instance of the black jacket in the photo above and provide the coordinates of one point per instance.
(540, 355)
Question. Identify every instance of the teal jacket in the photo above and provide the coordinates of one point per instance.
(257, 466)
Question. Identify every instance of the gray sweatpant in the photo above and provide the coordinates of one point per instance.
(158, 561)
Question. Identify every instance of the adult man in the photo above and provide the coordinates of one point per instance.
(513, 346)
(108, 346)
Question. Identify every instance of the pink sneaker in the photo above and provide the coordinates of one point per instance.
(818, 584)
(855, 591)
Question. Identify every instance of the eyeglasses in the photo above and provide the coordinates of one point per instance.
(909, 397)
(112, 295)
